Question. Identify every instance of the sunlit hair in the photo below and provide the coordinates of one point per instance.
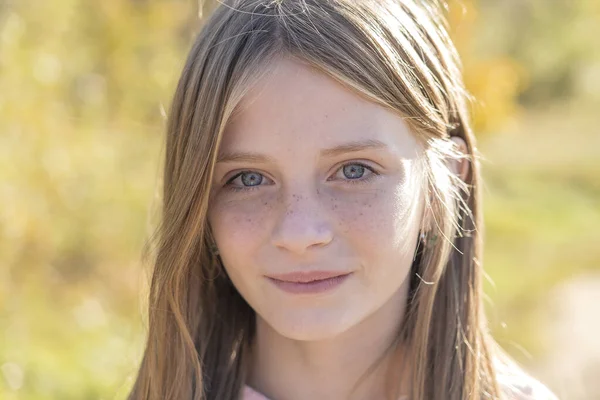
(395, 53)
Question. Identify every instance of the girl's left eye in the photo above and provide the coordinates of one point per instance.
(354, 173)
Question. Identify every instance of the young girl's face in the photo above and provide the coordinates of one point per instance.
(316, 203)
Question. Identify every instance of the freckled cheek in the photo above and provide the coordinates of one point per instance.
(240, 224)
(368, 217)
(377, 232)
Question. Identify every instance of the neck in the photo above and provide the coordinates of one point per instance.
(352, 365)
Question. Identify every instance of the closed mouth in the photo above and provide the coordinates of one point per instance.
(307, 276)
(309, 283)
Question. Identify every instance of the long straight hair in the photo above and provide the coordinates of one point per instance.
(395, 53)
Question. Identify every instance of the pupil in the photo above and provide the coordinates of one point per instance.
(251, 179)
(353, 171)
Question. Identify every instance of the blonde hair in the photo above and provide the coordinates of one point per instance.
(395, 53)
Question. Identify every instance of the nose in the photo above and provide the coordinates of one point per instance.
(302, 225)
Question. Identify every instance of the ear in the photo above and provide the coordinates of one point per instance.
(461, 166)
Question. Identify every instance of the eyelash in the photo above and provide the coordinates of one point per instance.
(372, 175)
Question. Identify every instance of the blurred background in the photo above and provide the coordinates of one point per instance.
(84, 86)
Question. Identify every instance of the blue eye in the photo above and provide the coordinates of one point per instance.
(354, 171)
(248, 180)
(251, 178)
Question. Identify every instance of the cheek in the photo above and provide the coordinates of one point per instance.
(378, 218)
(238, 225)
(382, 228)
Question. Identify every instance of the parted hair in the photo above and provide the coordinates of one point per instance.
(396, 53)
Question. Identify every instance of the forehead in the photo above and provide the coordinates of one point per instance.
(296, 107)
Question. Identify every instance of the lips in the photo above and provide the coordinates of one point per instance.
(307, 276)
(309, 282)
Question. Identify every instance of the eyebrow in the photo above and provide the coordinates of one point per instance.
(350, 147)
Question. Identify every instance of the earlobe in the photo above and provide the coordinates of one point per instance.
(461, 166)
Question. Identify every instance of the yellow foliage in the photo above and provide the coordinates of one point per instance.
(494, 83)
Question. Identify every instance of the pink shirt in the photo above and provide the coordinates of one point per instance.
(525, 388)
(251, 394)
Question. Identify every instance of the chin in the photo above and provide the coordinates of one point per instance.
(311, 325)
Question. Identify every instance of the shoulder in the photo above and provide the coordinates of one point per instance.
(521, 386)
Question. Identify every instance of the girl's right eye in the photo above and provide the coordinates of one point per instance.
(245, 180)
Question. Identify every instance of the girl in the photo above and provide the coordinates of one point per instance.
(321, 231)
